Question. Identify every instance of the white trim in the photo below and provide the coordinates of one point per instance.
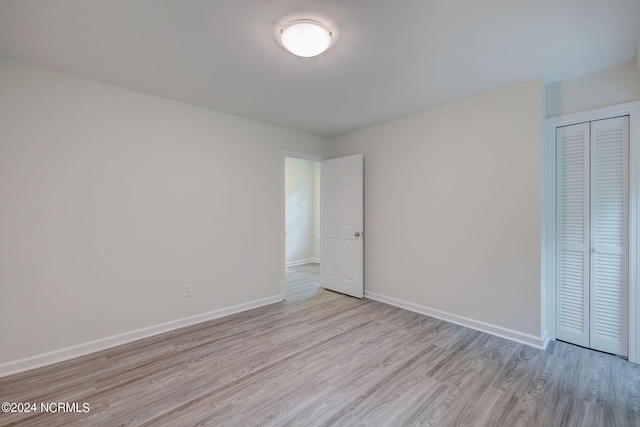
(37, 361)
(499, 331)
(283, 226)
(304, 156)
(631, 109)
(634, 234)
(545, 340)
(302, 262)
(549, 229)
(547, 244)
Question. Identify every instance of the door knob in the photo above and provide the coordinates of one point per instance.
(357, 234)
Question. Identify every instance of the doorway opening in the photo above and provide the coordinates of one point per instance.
(551, 225)
(302, 224)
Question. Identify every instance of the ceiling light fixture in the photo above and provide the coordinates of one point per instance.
(305, 37)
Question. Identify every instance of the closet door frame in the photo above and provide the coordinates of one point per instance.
(548, 290)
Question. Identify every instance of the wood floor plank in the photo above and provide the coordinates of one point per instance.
(322, 358)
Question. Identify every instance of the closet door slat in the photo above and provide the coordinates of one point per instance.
(609, 235)
(572, 281)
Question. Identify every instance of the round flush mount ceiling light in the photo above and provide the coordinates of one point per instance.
(305, 37)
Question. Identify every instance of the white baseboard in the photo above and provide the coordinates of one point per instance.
(301, 262)
(498, 331)
(37, 361)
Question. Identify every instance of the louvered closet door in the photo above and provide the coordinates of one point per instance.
(572, 293)
(609, 235)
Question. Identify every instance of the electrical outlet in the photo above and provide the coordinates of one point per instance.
(186, 290)
(413, 280)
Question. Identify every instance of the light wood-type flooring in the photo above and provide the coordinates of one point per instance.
(321, 358)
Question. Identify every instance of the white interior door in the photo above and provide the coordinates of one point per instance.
(592, 235)
(342, 253)
(572, 281)
(609, 235)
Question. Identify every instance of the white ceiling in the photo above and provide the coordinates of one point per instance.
(392, 57)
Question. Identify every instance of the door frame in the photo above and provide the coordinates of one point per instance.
(548, 244)
(283, 210)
